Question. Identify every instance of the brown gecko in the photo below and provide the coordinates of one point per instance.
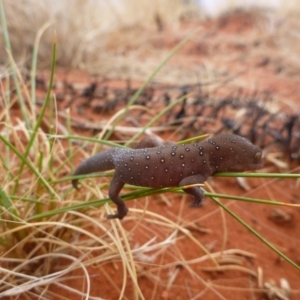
(157, 165)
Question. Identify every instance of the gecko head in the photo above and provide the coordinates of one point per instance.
(245, 155)
(238, 154)
(252, 160)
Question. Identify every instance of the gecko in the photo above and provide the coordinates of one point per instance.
(158, 165)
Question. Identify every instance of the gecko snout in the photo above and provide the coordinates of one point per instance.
(257, 157)
(257, 161)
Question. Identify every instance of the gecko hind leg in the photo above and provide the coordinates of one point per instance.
(198, 196)
(194, 190)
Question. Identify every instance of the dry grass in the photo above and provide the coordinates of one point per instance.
(84, 28)
(110, 40)
(41, 252)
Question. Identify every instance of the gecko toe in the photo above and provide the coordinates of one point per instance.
(114, 216)
(196, 203)
(121, 213)
(75, 184)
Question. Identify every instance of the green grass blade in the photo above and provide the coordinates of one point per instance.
(257, 175)
(34, 66)
(6, 203)
(156, 118)
(13, 66)
(41, 114)
(148, 80)
(267, 243)
(31, 167)
(248, 199)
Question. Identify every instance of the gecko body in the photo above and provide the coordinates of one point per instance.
(157, 165)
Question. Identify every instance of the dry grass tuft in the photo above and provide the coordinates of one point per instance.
(120, 40)
(84, 28)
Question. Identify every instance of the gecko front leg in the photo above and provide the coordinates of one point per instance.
(113, 193)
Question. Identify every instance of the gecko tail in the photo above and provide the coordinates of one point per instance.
(100, 162)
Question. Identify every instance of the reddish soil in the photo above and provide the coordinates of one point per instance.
(234, 46)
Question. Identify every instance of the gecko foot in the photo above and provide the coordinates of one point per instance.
(121, 213)
(196, 203)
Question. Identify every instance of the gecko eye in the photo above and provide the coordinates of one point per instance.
(257, 157)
